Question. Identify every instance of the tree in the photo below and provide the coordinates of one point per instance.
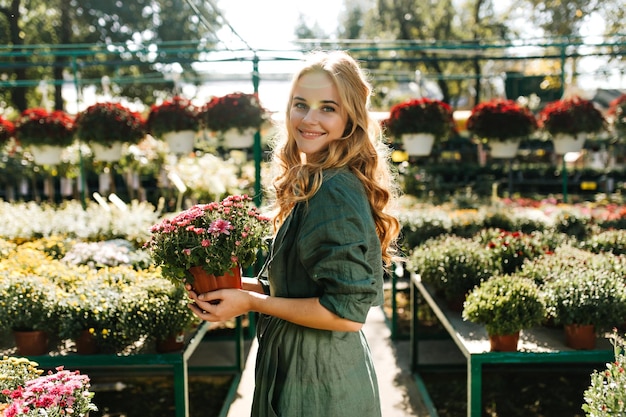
(125, 26)
(429, 23)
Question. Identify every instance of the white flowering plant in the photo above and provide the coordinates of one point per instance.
(606, 395)
(208, 177)
(217, 236)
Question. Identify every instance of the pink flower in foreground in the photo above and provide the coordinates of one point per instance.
(220, 226)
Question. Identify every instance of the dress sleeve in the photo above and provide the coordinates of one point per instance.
(340, 250)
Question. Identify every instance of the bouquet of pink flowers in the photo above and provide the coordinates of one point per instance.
(217, 236)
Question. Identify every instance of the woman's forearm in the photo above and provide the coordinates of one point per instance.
(251, 284)
(302, 311)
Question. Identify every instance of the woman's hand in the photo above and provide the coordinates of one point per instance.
(219, 305)
(231, 303)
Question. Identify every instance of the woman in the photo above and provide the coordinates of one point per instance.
(325, 268)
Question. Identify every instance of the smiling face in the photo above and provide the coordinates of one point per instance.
(316, 116)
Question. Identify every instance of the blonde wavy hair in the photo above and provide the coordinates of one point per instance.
(361, 149)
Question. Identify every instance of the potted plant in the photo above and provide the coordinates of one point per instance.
(617, 116)
(176, 121)
(45, 133)
(109, 304)
(512, 249)
(586, 296)
(506, 305)
(502, 124)
(569, 121)
(235, 117)
(215, 238)
(453, 266)
(86, 319)
(419, 122)
(106, 126)
(169, 316)
(53, 394)
(7, 130)
(28, 310)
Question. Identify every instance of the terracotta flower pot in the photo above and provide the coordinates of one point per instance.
(204, 282)
(31, 342)
(580, 336)
(86, 343)
(173, 343)
(504, 342)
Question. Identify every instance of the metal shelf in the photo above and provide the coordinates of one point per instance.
(540, 345)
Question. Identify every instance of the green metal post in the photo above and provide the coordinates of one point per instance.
(81, 166)
(181, 389)
(394, 306)
(564, 174)
(474, 386)
(257, 137)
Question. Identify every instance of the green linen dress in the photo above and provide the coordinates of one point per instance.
(327, 248)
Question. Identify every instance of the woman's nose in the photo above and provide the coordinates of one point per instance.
(310, 115)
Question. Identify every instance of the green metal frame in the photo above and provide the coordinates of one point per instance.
(177, 362)
(471, 339)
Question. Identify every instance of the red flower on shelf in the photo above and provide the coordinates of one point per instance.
(37, 126)
(173, 115)
(422, 115)
(501, 119)
(571, 116)
(236, 110)
(7, 129)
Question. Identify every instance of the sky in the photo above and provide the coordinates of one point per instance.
(271, 23)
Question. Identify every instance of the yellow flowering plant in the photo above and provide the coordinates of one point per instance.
(27, 303)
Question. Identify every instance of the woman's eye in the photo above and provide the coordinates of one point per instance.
(301, 106)
(328, 109)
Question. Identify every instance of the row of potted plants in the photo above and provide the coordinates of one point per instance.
(421, 222)
(503, 123)
(511, 281)
(110, 123)
(119, 292)
(116, 306)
